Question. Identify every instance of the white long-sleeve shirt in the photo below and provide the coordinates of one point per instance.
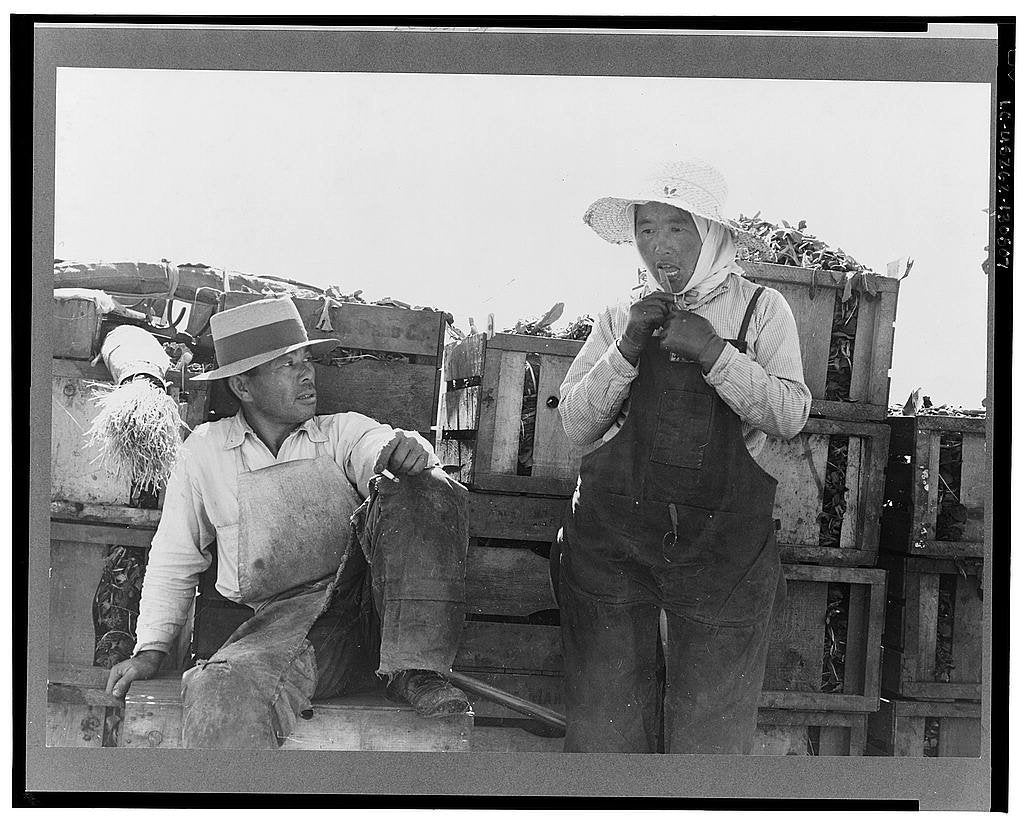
(201, 504)
(765, 387)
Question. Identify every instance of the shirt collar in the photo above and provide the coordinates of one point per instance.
(727, 284)
(238, 427)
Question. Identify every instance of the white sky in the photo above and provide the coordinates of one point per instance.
(466, 192)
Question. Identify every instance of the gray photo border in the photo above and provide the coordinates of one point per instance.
(950, 783)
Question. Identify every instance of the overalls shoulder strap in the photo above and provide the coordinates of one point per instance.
(741, 337)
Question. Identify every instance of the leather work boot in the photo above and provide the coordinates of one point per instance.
(429, 693)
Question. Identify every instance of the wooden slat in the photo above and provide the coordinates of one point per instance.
(465, 359)
(107, 534)
(882, 347)
(871, 495)
(76, 471)
(365, 326)
(853, 525)
(926, 627)
(501, 407)
(74, 725)
(462, 409)
(523, 648)
(848, 410)
(135, 517)
(796, 637)
(968, 633)
(974, 485)
(834, 742)
(535, 343)
(459, 456)
(799, 467)
(401, 395)
(857, 641)
(530, 485)
(950, 423)
(76, 328)
(507, 581)
(908, 735)
(388, 329)
(930, 487)
(530, 518)
(75, 570)
(814, 325)
(372, 723)
(959, 737)
(554, 456)
(361, 722)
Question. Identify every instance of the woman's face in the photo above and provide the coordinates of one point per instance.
(668, 242)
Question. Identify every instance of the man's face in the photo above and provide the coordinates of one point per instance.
(281, 391)
(668, 243)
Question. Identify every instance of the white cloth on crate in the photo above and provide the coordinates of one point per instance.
(201, 504)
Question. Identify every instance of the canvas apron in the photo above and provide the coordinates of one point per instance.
(671, 513)
(294, 540)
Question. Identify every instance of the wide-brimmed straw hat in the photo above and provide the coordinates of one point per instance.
(258, 332)
(691, 185)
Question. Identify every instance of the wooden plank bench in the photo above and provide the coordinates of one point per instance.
(366, 721)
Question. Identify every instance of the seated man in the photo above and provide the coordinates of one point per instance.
(306, 527)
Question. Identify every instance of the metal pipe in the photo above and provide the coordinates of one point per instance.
(549, 717)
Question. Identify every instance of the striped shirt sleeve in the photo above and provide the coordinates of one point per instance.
(767, 391)
(597, 383)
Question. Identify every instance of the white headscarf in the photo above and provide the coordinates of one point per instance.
(716, 260)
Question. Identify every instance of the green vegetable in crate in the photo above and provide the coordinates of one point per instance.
(138, 428)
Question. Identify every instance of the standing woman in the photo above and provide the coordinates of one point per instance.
(671, 512)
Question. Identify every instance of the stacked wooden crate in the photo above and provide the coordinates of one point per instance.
(829, 502)
(98, 522)
(502, 436)
(933, 529)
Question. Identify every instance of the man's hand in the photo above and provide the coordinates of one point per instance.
(645, 316)
(403, 455)
(142, 666)
(691, 336)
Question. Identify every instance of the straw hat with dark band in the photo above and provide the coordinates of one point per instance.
(690, 185)
(258, 332)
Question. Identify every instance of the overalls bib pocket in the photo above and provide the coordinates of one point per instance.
(683, 430)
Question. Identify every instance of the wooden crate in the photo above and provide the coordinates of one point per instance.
(797, 654)
(924, 483)
(809, 733)
(520, 650)
(812, 295)
(79, 712)
(403, 393)
(801, 466)
(367, 722)
(76, 328)
(484, 432)
(934, 628)
(901, 728)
